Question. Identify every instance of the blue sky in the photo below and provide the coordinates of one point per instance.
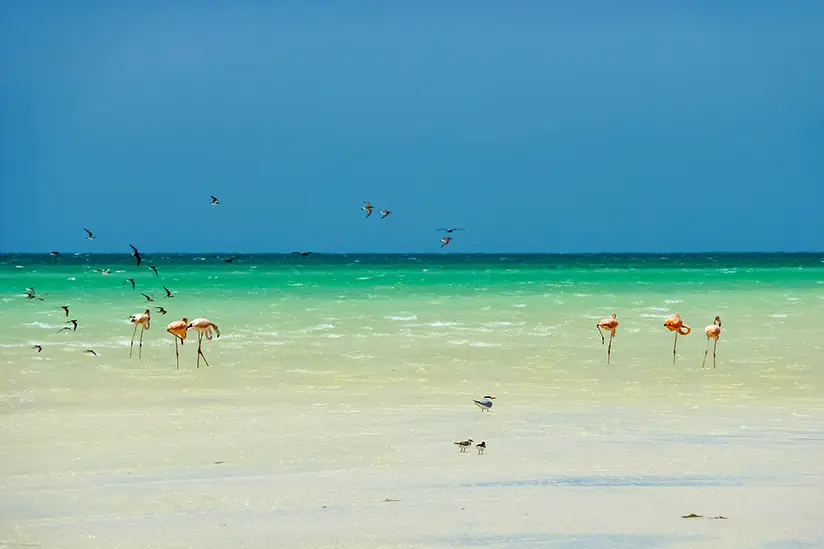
(537, 126)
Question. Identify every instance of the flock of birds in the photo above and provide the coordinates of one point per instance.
(368, 207)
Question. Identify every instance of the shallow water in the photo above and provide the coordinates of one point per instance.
(341, 381)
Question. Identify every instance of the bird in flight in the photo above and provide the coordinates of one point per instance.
(135, 254)
(65, 308)
(148, 297)
(130, 280)
(161, 310)
(485, 403)
(152, 267)
(74, 323)
(168, 293)
(215, 201)
(385, 213)
(55, 254)
(452, 230)
(90, 351)
(89, 234)
(30, 293)
(445, 240)
(229, 260)
(464, 444)
(38, 348)
(368, 207)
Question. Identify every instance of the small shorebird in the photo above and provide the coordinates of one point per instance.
(481, 447)
(90, 352)
(485, 403)
(610, 324)
(203, 327)
(161, 310)
(135, 254)
(713, 331)
(385, 213)
(144, 322)
(464, 444)
(229, 260)
(74, 324)
(130, 280)
(89, 234)
(445, 240)
(452, 230)
(178, 329)
(38, 348)
(368, 207)
(675, 324)
(168, 293)
(66, 309)
(214, 201)
(55, 254)
(152, 267)
(148, 297)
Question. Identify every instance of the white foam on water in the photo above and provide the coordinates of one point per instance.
(778, 315)
(440, 324)
(520, 305)
(484, 344)
(409, 317)
(320, 327)
(672, 301)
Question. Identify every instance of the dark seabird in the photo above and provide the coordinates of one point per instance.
(55, 254)
(89, 234)
(37, 347)
(232, 259)
(451, 230)
(148, 298)
(368, 207)
(481, 447)
(135, 254)
(130, 280)
(152, 267)
(215, 201)
(385, 213)
(161, 310)
(90, 351)
(168, 293)
(74, 323)
(66, 309)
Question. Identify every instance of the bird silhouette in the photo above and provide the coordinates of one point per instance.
(130, 280)
(229, 260)
(451, 230)
(152, 267)
(215, 201)
(148, 297)
(161, 310)
(89, 234)
(135, 254)
(168, 293)
(66, 309)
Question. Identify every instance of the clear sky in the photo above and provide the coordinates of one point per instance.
(538, 126)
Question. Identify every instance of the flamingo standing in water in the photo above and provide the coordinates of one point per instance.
(143, 320)
(203, 327)
(675, 324)
(178, 329)
(610, 324)
(713, 331)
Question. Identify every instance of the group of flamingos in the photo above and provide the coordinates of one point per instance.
(178, 329)
(673, 324)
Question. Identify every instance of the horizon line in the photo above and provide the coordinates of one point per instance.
(716, 252)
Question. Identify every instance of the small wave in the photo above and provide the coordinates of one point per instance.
(483, 344)
(36, 324)
(778, 315)
(365, 278)
(320, 327)
(334, 336)
(672, 301)
(520, 305)
(662, 309)
(504, 323)
(410, 317)
(439, 324)
(646, 315)
(72, 278)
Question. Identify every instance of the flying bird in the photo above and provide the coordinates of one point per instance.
(445, 240)
(152, 267)
(481, 447)
(30, 293)
(610, 324)
(135, 254)
(675, 324)
(713, 331)
(66, 309)
(485, 404)
(38, 348)
(64, 329)
(90, 351)
(148, 297)
(464, 444)
(89, 234)
(215, 201)
(385, 213)
(130, 280)
(55, 254)
(452, 230)
(229, 260)
(368, 207)
(161, 310)
(74, 324)
(168, 293)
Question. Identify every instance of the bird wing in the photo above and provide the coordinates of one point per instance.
(88, 231)
(168, 293)
(133, 248)
(214, 198)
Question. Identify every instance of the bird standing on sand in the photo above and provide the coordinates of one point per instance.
(203, 327)
(610, 324)
(135, 254)
(485, 404)
(385, 213)
(131, 280)
(368, 207)
(89, 234)
(168, 293)
(144, 321)
(675, 324)
(481, 446)
(713, 331)
(66, 309)
(445, 240)
(178, 329)
(38, 348)
(464, 444)
(152, 267)
(214, 201)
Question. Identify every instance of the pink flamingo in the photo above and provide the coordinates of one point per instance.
(610, 324)
(203, 326)
(675, 324)
(143, 320)
(713, 331)
(178, 329)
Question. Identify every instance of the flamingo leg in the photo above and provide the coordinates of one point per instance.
(199, 340)
(714, 345)
(140, 347)
(131, 345)
(177, 355)
(707, 350)
(609, 349)
(600, 333)
(674, 346)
